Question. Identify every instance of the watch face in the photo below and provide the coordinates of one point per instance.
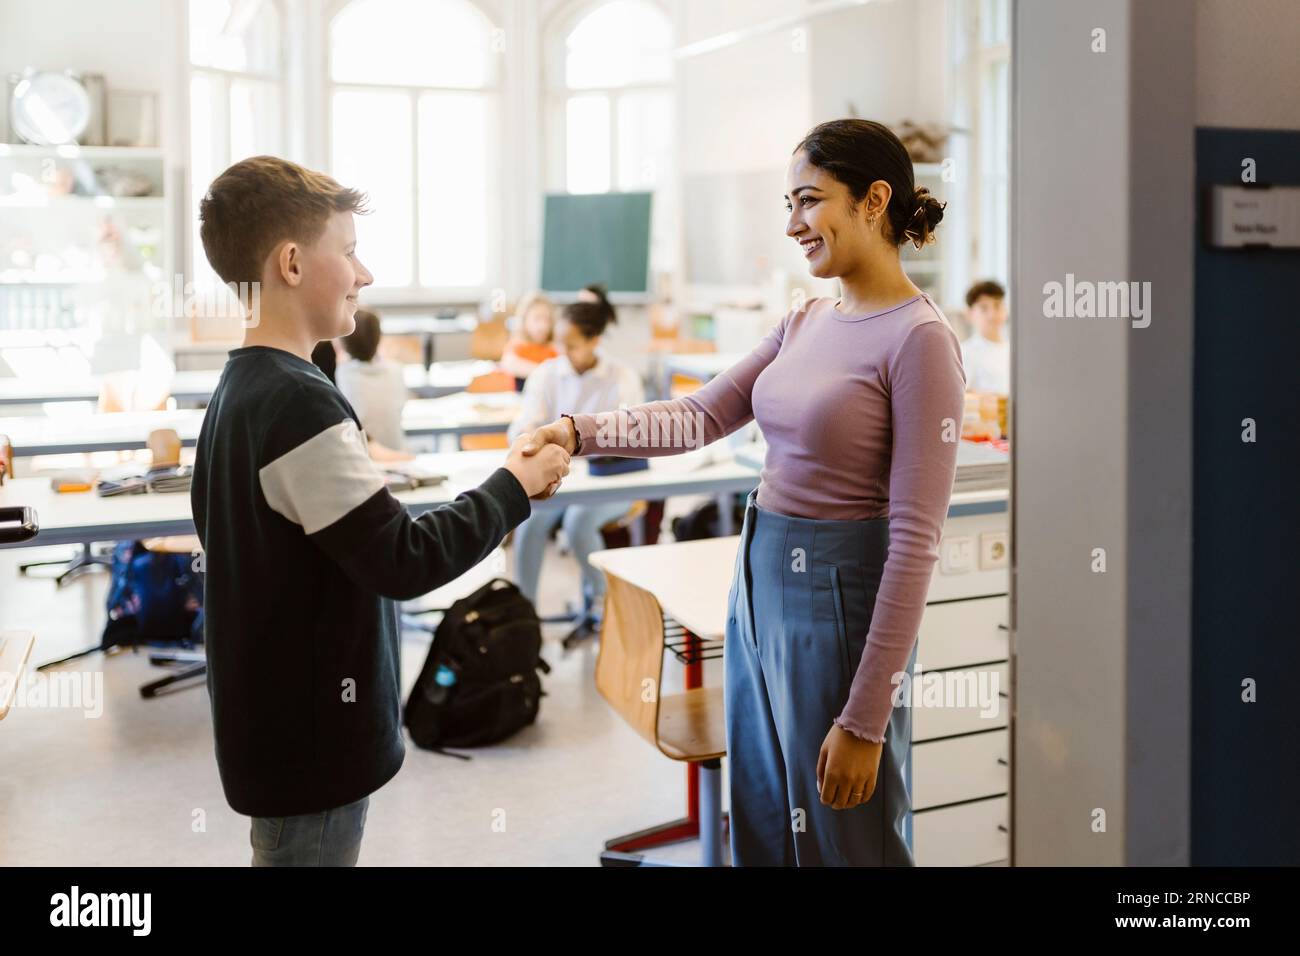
(50, 109)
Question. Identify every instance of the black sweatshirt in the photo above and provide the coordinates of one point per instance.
(305, 553)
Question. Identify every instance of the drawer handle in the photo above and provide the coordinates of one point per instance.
(1002, 828)
(1002, 762)
(1003, 627)
(1003, 693)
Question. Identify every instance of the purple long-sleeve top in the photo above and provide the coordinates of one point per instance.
(862, 416)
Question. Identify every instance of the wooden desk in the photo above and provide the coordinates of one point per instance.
(688, 583)
(186, 387)
(84, 516)
(689, 579)
(15, 650)
(450, 416)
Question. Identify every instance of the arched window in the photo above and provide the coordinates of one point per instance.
(611, 72)
(413, 123)
(236, 91)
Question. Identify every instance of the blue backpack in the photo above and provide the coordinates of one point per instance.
(153, 598)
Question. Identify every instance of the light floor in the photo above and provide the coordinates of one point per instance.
(127, 788)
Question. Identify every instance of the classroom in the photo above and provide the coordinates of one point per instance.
(648, 433)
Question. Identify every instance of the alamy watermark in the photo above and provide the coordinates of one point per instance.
(182, 299)
(1098, 300)
(650, 429)
(959, 689)
(66, 690)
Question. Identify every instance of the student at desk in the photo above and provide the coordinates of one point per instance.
(376, 388)
(860, 399)
(534, 340)
(582, 378)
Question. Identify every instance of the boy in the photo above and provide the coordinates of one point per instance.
(986, 355)
(375, 386)
(305, 549)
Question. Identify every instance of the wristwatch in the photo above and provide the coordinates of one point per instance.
(577, 438)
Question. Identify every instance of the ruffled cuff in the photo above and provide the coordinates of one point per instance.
(858, 730)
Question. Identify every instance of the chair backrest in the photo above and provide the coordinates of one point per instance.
(489, 338)
(496, 381)
(629, 667)
(165, 447)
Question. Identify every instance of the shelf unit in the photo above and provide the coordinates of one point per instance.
(73, 256)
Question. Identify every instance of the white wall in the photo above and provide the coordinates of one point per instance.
(886, 60)
(1246, 56)
(121, 40)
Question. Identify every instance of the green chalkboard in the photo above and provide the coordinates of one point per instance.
(603, 237)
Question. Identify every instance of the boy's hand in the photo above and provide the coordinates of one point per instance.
(541, 472)
(559, 432)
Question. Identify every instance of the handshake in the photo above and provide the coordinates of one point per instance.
(540, 459)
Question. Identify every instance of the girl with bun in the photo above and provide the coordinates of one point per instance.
(860, 399)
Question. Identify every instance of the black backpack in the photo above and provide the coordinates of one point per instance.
(479, 683)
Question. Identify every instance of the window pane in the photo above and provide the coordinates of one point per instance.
(207, 159)
(622, 42)
(413, 43)
(455, 213)
(381, 167)
(644, 139)
(254, 119)
(587, 144)
(244, 37)
(995, 16)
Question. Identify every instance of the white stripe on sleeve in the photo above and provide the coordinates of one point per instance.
(320, 481)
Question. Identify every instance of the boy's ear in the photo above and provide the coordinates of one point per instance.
(288, 262)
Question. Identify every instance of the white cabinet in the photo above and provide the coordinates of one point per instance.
(958, 769)
(970, 834)
(961, 698)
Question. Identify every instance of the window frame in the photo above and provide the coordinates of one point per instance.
(494, 94)
(226, 78)
(556, 93)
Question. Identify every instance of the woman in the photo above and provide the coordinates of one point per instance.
(860, 399)
(583, 378)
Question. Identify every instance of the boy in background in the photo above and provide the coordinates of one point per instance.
(986, 355)
(374, 386)
(306, 551)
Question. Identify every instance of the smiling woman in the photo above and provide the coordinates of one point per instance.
(860, 401)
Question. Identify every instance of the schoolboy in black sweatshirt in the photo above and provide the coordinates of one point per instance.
(305, 550)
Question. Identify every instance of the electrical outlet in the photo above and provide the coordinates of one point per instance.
(957, 555)
(993, 550)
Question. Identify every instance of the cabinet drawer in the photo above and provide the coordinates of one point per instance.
(965, 835)
(958, 633)
(962, 768)
(973, 687)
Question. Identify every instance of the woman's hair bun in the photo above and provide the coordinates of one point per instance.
(927, 213)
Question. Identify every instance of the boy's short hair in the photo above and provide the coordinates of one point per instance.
(987, 287)
(260, 202)
(363, 342)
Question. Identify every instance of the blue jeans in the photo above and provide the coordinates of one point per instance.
(329, 838)
(582, 524)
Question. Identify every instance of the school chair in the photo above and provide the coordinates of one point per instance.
(489, 338)
(687, 726)
(495, 381)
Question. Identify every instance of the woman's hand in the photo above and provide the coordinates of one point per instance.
(559, 432)
(847, 768)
